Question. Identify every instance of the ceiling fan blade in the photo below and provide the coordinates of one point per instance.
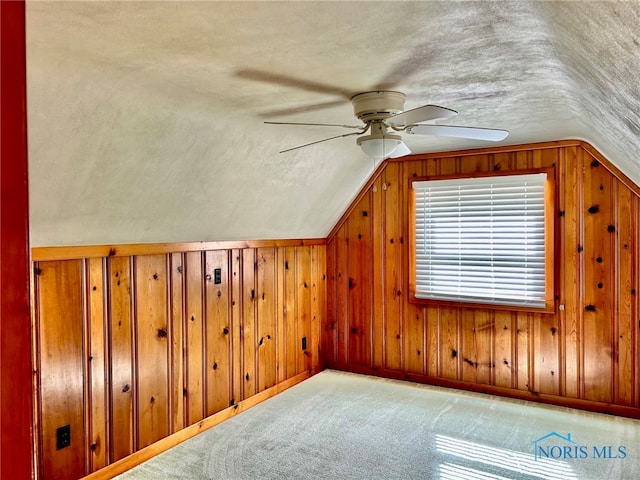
(490, 134)
(317, 124)
(320, 141)
(288, 81)
(400, 151)
(303, 109)
(420, 114)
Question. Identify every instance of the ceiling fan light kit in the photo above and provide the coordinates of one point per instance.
(379, 144)
(383, 110)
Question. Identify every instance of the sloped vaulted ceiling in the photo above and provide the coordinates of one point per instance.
(146, 118)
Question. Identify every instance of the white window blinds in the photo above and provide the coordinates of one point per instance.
(481, 240)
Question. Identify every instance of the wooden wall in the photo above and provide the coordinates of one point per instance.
(587, 354)
(134, 345)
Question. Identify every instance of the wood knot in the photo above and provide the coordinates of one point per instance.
(162, 333)
(225, 330)
(454, 354)
(594, 209)
(215, 365)
(155, 276)
(126, 388)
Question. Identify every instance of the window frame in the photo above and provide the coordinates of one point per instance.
(549, 242)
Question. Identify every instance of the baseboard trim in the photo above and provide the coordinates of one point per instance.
(580, 404)
(166, 443)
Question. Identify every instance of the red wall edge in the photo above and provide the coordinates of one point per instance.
(16, 419)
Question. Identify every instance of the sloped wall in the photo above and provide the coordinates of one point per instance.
(587, 354)
(138, 342)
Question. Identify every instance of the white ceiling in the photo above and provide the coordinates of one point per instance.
(146, 119)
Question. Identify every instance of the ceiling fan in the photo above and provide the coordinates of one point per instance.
(383, 117)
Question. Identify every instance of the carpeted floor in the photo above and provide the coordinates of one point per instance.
(343, 426)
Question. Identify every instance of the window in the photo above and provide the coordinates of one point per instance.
(484, 240)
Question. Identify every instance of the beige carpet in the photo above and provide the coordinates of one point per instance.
(343, 426)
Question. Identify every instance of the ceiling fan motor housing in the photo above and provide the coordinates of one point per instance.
(377, 105)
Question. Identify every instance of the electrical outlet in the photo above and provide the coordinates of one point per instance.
(217, 276)
(63, 437)
(304, 343)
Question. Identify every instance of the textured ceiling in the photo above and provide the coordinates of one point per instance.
(146, 119)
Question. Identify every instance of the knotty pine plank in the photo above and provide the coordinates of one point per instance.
(194, 331)
(121, 347)
(59, 301)
(248, 328)
(218, 331)
(152, 349)
(266, 317)
(359, 284)
(176, 346)
(98, 362)
(394, 267)
(303, 296)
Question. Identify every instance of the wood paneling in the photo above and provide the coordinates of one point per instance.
(152, 349)
(290, 314)
(266, 317)
(248, 323)
(132, 349)
(98, 362)
(61, 347)
(359, 285)
(176, 346)
(587, 350)
(121, 354)
(194, 331)
(303, 303)
(218, 322)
